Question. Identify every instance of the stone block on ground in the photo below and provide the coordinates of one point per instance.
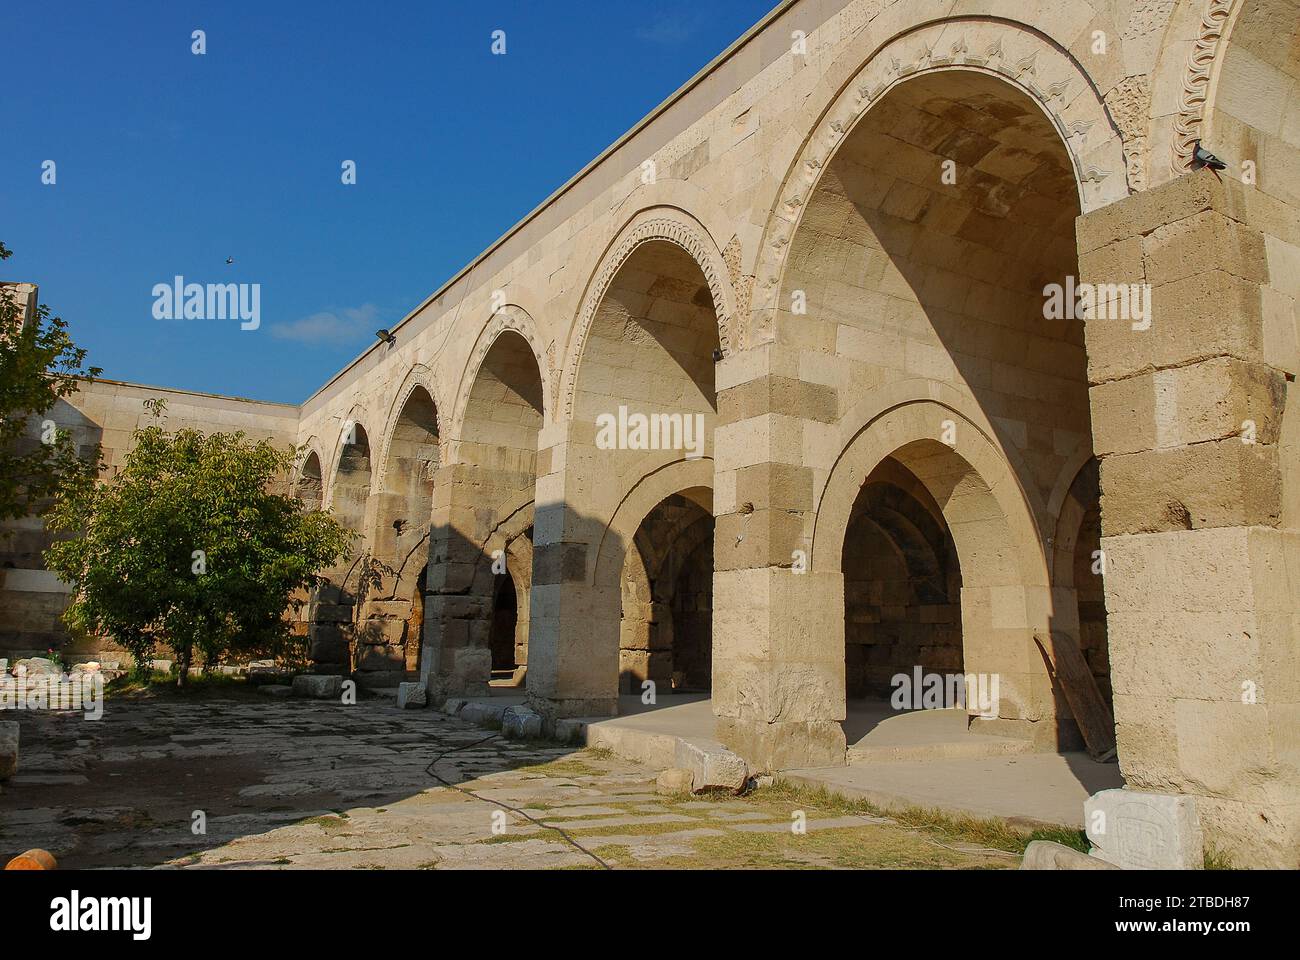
(35, 666)
(521, 723)
(379, 679)
(318, 686)
(1137, 830)
(1047, 855)
(8, 748)
(484, 714)
(453, 705)
(674, 782)
(412, 696)
(275, 690)
(570, 730)
(712, 766)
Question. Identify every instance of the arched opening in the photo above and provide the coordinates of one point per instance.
(481, 546)
(390, 628)
(934, 595)
(939, 248)
(505, 620)
(644, 412)
(334, 639)
(902, 586)
(666, 634)
(310, 488)
(1079, 569)
(651, 346)
(351, 487)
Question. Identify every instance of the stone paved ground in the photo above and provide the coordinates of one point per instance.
(301, 784)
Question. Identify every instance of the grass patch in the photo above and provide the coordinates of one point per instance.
(993, 833)
(159, 685)
(577, 766)
(327, 823)
(1074, 839)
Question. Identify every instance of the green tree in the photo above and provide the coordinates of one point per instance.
(189, 546)
(39, 365)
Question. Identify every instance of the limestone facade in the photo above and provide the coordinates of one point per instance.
(824, 264)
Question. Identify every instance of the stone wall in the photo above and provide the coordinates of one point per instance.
(105, 412)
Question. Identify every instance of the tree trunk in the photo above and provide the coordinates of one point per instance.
(184, 677)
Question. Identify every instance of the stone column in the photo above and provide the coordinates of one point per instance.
(778, 635)
(1198, 458)
(573, 624)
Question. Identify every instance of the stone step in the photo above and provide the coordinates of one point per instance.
(970, 747)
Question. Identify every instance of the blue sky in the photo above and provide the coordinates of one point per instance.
(167, 163)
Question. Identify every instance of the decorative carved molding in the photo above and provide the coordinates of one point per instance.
(674, 231)
(1196, 84)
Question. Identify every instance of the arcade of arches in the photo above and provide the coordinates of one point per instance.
(876, 450)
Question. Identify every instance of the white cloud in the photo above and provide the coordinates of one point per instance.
(331, 328)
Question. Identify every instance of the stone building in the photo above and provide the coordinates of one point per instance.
(850, 252)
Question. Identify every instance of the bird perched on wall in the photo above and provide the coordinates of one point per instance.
(1203, 158)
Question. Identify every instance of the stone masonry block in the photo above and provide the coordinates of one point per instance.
(1145, 831)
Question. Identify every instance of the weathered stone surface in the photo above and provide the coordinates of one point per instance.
(35, 666)
(571, 730)
(1145, 831)
(8, 748)
(674, 782)
(318, 687)
(412, 696)
(711, 766)
(275, 690)
(797, 278)
(1047, 855)
(453, 706)
(379, 679)
(484, 713)
(521, 723)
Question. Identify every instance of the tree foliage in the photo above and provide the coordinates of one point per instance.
(189, 546)
(39, 365)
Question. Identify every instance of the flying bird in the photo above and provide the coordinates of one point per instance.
(230, 260)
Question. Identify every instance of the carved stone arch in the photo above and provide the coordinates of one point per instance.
(1013, 52)
(298, 477)
(510, 317)
(419, 375)
(657, 223)
(690, 478)
(357, 415)
(304, 451)
(1199, 55)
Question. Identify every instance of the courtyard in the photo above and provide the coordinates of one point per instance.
(288, 784)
